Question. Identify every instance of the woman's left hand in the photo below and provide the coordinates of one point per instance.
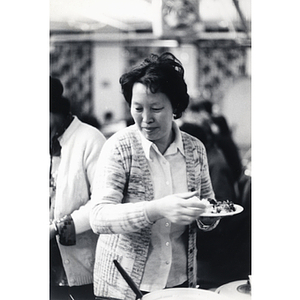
(209, 220)
(208, 223)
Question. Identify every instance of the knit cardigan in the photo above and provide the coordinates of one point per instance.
(121, 188)
(81, 145)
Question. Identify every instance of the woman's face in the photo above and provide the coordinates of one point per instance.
(153, 114)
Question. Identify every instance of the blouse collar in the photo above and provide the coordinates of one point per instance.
(176, 144)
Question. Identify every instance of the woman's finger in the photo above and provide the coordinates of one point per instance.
(186, 195)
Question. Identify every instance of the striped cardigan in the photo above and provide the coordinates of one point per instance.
(121, 188)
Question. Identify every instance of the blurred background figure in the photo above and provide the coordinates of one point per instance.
(204, 112)
(74, 150)
(219, 170)
(224, 254)
(110, 125)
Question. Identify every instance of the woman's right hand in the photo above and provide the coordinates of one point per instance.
(183, 208)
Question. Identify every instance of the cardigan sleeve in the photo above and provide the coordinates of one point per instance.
(109, 212)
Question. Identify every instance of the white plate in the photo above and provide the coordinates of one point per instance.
(184, 294)
(234, 291)
(238, 209)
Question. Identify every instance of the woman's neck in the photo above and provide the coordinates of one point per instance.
(163, 146)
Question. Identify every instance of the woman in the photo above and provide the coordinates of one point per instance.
(148, 182)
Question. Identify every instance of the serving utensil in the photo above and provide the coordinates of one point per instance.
(129, 280)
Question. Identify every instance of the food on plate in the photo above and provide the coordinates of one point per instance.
(216, 207)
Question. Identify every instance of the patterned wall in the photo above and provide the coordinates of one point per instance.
(135, 55)
(72, 64)
(218, 65)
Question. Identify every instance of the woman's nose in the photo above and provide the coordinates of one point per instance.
(147, 117)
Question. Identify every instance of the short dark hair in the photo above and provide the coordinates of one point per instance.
(58, 103)
(163, 74)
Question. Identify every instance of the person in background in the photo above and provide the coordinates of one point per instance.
(226, 255)
(74, 150)
(111, 125)
(149, 181)
(219, 170)
(222, 133)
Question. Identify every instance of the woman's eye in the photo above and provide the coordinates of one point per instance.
(157, 109)
(138, 109)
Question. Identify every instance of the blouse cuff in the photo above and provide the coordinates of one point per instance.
(66, 231)
(146, 215)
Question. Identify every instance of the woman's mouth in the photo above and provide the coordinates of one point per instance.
(149, 129)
